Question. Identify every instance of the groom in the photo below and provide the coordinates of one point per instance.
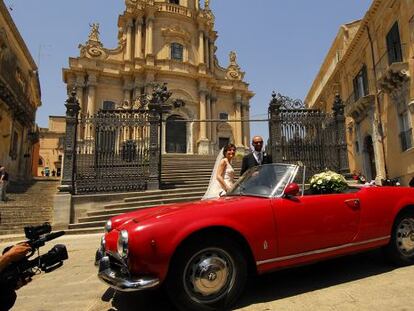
(256, 157)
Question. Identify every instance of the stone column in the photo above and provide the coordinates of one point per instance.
(214, 124)
(148, 37)
(237, 125)
(211, 56)
(203, 114)
(201, 48)
(127, 96)
(138, 38)
(91, 84)
(91, 106)
(129, 40)
(206, 52)
(246, 124)
(80, 84)
(203, 144)
(378, 151)
(208, 116)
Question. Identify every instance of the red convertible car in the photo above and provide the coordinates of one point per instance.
(202, 252)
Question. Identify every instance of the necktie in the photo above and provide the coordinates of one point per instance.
(259, 158)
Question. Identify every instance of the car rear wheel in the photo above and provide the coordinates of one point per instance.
(401, 246)
(207, 275)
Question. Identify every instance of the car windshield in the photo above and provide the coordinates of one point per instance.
(264, 181)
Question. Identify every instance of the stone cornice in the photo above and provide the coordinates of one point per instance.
(357, 37)
(5, 13)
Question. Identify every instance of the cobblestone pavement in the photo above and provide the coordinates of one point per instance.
(359, 282)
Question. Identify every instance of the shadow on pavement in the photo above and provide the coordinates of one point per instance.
(273, 286)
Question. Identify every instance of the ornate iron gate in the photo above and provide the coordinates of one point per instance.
(310, 136)
(114, 152)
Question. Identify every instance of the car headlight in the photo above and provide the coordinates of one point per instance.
(123, 244)
(108, 226)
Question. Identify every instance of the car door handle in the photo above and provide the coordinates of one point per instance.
(353, 203)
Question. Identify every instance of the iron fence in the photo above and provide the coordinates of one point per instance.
(308, 136)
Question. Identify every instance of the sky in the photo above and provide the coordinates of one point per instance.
(280, 44)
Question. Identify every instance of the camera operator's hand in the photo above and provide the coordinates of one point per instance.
(16, 253)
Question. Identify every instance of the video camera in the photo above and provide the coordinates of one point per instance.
(37, 237)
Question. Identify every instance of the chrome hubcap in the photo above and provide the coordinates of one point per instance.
(208, 275)
(405, 236)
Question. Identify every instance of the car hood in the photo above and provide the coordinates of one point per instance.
(171, 209)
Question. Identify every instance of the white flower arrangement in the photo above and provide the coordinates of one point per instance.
(328, 182)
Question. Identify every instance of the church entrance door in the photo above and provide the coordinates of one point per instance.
(176, 135)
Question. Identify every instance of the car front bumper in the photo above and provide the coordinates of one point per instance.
(118, 277)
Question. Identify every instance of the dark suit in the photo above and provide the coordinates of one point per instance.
(250, 161)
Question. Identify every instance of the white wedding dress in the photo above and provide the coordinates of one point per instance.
(214, 189)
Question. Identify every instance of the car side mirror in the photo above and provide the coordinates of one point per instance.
(292, 190)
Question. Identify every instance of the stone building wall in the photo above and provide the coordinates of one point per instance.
(380, 111)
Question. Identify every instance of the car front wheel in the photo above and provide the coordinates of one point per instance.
(401, 246)
(207, 275)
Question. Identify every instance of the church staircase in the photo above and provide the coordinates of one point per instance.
(184, 178)
(29, 203)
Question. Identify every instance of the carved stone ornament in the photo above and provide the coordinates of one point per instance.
(176, 32)
(396, 75)
(94, 47)
(233, 70)
(135, 6)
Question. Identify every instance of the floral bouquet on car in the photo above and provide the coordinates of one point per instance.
(327, 182)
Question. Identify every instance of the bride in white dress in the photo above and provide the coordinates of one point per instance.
(222, 177)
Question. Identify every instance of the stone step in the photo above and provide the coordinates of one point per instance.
(151, 202)
(165, 196)
(85, 230)
(121, 210)
(89, 224)
(180, 186)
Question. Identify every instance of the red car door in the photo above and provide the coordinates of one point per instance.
(314, 222)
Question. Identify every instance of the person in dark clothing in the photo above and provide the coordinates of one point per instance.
(4, 180)
(411, 183)
(7, 293)
(256, 157)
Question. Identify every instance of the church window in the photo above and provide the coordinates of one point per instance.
(175, 1)
(108, 105)
(177, 51)
(224, 116)
(394, 45)
(361, 83)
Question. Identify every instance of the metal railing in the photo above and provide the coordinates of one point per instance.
(174, 8)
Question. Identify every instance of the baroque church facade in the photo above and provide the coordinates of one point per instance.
(167, 41)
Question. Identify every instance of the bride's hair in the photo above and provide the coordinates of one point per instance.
(228, 147)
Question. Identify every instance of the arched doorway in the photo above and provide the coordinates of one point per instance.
(176, 135)
(370, 158)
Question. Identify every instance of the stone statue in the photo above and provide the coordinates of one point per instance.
(233, 57)
(94, 34)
